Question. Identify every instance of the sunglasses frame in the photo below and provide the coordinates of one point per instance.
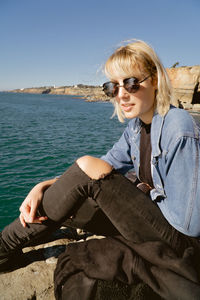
(116, 86)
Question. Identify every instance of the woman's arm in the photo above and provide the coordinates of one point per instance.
(181, 178)
(29, 206)
(119, 156)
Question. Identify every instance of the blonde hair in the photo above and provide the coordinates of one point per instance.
(135, 59)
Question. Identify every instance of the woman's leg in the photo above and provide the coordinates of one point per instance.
(61, 201)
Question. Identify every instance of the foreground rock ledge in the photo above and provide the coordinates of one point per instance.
(32, 277)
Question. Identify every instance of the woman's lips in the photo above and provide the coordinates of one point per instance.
(127, 107)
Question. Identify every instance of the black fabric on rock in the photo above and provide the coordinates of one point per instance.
(170, 276)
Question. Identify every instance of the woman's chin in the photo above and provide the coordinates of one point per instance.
(130, 115)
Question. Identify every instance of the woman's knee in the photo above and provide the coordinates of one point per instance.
(93, 167)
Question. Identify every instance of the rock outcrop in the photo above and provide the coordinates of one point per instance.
(90, 93)
(186, 85)
(32, 277)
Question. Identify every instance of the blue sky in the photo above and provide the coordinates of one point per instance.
(61, 42)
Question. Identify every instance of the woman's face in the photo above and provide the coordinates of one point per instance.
(139, 104)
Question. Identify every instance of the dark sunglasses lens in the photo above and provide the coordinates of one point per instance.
(131, 85)
(110, 89)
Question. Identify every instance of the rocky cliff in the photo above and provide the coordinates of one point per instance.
(186, 85)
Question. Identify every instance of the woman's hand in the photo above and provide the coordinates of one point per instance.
(28, 208)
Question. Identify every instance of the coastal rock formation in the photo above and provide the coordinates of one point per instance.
(36, 90)
(186, 85)
(32, 277)
(90, 93)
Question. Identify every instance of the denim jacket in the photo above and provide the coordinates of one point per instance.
(175, 165)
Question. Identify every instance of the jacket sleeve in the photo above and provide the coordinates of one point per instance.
(182, 186)
(119, 156)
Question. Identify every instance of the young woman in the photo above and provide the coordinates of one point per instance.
(159, 226)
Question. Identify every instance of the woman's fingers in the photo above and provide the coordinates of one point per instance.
(33, 211)
(22, 220)
(29, 207)
(25, 210)
(40, 219)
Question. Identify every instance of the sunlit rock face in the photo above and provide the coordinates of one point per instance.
(186, 84)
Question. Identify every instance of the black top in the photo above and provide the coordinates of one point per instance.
(145, 154)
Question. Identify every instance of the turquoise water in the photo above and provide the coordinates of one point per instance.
(41, 135)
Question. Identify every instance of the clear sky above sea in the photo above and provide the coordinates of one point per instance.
(61, 42)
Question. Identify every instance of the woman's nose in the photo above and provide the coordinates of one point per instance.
(122, 92)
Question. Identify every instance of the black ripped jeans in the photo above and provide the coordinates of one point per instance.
(111, 206)
(107, 206)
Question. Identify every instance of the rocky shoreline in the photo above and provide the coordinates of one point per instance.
(32, 276)
(185, 82)
(88, 92)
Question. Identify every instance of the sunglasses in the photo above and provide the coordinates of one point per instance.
(131, 85)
